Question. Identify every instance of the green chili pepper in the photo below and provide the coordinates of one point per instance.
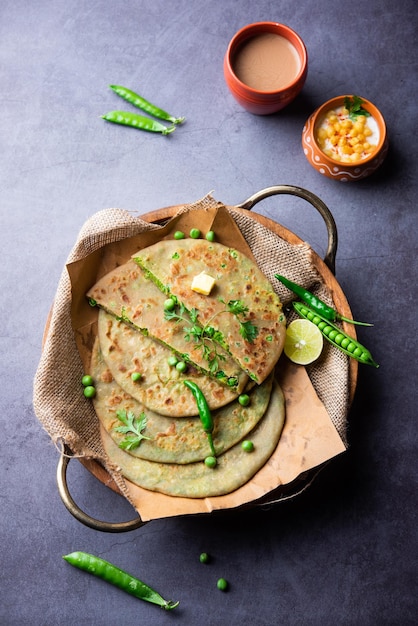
(141, 103)
(112, 574)
(335, 335)
(315, 303)
(138, 121)
(204, 411)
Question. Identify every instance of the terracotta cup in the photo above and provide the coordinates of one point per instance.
(264, 102)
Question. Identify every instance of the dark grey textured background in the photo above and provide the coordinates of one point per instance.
(344, 553)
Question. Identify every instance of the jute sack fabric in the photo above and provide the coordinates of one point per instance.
(70, 420)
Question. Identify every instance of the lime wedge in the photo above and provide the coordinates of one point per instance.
(303, 343)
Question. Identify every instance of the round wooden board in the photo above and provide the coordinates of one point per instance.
(163, 215)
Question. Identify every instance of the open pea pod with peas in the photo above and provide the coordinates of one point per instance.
(323, 316)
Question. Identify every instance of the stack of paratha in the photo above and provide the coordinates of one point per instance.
(229, 340)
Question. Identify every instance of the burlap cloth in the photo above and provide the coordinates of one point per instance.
(70, 420)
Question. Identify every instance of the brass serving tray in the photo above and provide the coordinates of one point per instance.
(326, 269)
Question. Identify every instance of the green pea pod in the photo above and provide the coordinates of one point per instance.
(117, 577)
(315, 303)
(204, 411)
(138, 121)
(336, 336)
(140, 102)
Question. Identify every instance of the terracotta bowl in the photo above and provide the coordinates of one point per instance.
(333, 167)
(254, 100)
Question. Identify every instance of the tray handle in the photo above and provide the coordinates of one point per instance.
(316, 202)
(74, 509)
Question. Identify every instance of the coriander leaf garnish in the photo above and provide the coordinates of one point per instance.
(131, 425)
(354, 108)
(247, 329)
(236, 307)
(203, 336)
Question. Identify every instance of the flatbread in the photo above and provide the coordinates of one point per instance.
(173, 265)
(194, 480)
(174, 440)
(126, 294)
(161, 387)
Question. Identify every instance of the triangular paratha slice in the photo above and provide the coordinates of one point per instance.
(126, 294)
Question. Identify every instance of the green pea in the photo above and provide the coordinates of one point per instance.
(351, 346)
(195, 233)
(181, 366)
(210, 235)
(172, 360)
(332, 334)
(344, 342)
(247, 445)
(338, 339)
(179, 235)
(136, 376)
(357, 352)
(169, 304)
(244, 399)
(204, 557)
(87, 381)
(89, 391)
(222, 584)
(211, 461)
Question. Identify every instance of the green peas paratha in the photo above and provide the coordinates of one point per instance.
(161, 387)
(173, 265)
(234, 469)
(173, 439)
(129, 296)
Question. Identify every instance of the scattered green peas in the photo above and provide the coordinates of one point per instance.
(195, 233)
(172, 360)
(244, 399)
(204, 557)
(136, 376)
(181, 366)
(169, 304)
(89, 391)
(210, 235)
(211, 462)
(222, 584)
(87, 381)
(247, 445)
(179, 235)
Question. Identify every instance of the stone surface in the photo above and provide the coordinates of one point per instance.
(343, 553)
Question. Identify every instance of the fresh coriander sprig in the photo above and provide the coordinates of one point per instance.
(131, 425)
(354, 108)
(247, 329)
(207, 336)
(203, 336)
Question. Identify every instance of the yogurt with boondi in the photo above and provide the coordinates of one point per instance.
(347, 137)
